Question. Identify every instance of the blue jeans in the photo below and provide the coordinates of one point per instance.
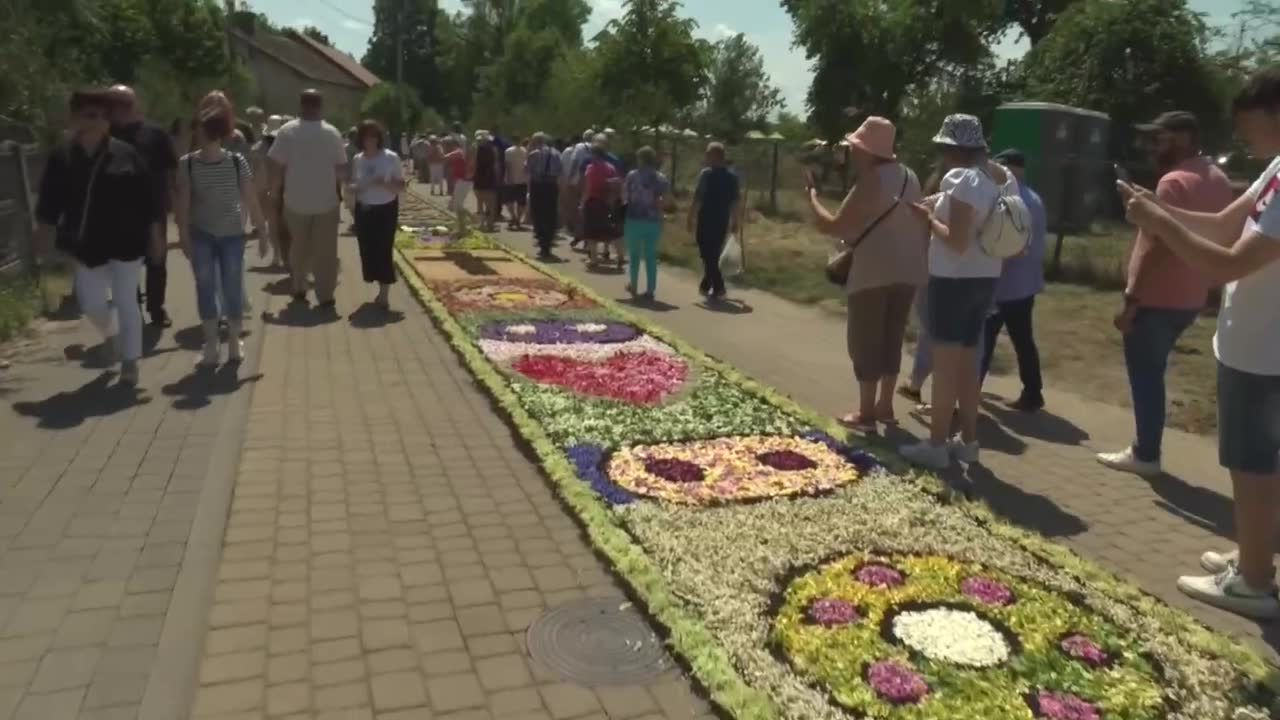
(218, 261)
(1146, 356)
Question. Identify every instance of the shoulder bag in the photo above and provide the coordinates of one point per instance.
(838, 266)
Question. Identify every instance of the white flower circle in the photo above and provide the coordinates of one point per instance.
(590, 327)
(521, 329)
(955, 636)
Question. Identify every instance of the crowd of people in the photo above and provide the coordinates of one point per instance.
(923, 246)
(903, 246)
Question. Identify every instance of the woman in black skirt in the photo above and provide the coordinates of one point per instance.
(377, 178)
(600, 185)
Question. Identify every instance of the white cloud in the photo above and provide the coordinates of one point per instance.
(724, 31)
(303, 22)
(606, 10)
(352, 24)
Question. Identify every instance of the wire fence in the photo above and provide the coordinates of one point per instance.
(20, 166)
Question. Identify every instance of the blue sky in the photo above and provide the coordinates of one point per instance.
(347, 22)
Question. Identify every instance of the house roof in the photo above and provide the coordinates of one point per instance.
(344, 61)
(309, 58)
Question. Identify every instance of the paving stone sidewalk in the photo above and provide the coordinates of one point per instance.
(99, 491)
(388, 544)
(1038, 471)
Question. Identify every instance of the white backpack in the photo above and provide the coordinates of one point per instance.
(1007, 230)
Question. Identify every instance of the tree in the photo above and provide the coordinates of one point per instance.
(652, 62)
(420, 46)
(1036, 17)
(871, 54)
(740, 95)
(544, 30)
(316, 34)
(397, 107)
(1130, 60)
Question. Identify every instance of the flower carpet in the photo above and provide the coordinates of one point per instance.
(800, 576)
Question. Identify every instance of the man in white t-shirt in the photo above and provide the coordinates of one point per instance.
(1240, 247)
(515, 185)
(309, 157)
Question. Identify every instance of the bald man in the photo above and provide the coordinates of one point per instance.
(155, 146)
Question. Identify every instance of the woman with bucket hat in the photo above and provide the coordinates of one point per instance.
(962, 284)
(880, 262)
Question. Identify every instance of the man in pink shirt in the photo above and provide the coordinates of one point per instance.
(1164, 294)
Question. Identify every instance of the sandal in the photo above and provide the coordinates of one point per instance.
(888, 419)
(859, 422)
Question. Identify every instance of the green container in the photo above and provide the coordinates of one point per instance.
(1067, 157)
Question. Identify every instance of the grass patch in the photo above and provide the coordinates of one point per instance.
(20, 302)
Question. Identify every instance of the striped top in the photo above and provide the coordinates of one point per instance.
(215, 192)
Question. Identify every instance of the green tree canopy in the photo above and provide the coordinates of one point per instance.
(316, 34)
(397, 107)
(1130, 60)
(869, 55)
(1036, 17)
(651, 63)
(740, 95)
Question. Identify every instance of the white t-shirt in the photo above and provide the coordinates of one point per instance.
(516, 157)
(311, 152)
(977, 190)
(1248, 337)
(383, 166)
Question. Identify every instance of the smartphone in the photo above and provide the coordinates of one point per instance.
(1121, 173)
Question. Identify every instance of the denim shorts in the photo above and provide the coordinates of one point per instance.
(1248, 421)
(958, 308)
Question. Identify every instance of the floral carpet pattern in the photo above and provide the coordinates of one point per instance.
(797, 574)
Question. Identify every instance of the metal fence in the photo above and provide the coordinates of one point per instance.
(20, 166)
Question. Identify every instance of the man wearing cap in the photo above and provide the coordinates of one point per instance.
(1021, 279)
(1163, 294)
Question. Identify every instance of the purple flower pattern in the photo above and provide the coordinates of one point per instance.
(879, 576)
(832, 612)
(1064, 706)
(986, 590)
(588, 461)
(895, 683)
(1085, 650)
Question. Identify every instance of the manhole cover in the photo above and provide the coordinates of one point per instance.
(598, 641)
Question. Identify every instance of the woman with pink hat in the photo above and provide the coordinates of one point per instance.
(880, 262)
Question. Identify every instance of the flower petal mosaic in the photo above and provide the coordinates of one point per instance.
(798, 577)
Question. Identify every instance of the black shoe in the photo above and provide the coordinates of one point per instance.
(300, 298)
(1028, 404)
(160, 320)
(328, 305)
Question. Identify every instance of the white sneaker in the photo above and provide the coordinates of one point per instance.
(1124, 461)
(235, 350)
(965, 452)
(926, 454)
(1216, 562)
(1229, 591)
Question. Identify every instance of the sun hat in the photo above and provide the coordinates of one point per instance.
(962, 131)
(875, 137)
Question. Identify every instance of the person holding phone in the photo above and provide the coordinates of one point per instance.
(889, 262)
(1240, 247)
(1163, 293)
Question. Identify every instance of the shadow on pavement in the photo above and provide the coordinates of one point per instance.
(642, 303)
(1022, 508)
(1197, 505)
(605, 269)
(90, 358)
(1042, 425)
(198, 389)
(268, 270)
(726, 306)
(282, 287)
(370, 316)
(96, 398)
(302, 316)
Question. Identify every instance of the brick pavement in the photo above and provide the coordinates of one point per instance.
(388, 543)
(99, 493)
(1037, 471)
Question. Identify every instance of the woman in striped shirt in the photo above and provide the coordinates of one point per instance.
(214, 188)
